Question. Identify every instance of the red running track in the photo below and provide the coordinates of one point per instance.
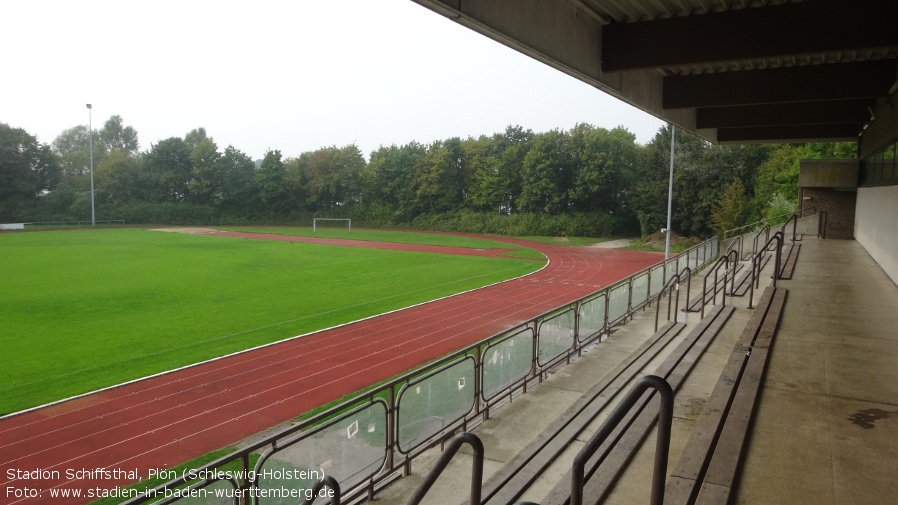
(162, 421)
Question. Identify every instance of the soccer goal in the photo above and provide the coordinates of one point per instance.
(315, 222)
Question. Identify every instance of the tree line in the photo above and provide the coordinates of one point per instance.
(585, 181)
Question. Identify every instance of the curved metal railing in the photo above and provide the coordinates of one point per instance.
(662, 445)
(443, 462)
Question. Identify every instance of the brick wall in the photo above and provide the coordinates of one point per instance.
(839, 206)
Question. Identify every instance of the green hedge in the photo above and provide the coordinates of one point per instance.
(568, 225)
(370, 216)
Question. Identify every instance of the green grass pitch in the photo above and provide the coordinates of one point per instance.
(82, 310)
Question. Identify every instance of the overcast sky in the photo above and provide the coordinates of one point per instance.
(293, 75)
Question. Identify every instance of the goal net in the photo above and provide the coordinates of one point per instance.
(316, 220)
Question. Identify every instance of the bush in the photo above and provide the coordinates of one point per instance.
(568, 225)
(778, 209)
(77, 207)
(160, 213)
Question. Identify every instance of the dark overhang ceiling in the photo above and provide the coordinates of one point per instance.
(729, 70)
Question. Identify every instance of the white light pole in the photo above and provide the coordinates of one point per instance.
(90, 133)
(669, 194)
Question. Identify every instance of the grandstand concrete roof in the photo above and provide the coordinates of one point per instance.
(731, 71)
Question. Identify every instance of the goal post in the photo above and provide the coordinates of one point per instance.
(315, 222)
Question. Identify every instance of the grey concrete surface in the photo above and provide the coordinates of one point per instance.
(826, 429)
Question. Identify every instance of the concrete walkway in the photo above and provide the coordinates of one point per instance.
(826, 430)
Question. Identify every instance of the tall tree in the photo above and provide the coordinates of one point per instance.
(168, 171)
(391, 171)
(195, 136)
(349, 164)
(547, 174)
(484, 189)
(118, 137)
(730, 211)
(238, 184)
(604, 165)
(331, 177)
(206, 184)
(649, 195)
(700, 175)
(439, 177)
(270, 180)
(296, 182)
(73, 148)
(118, 178)
(27, 168)
(513, 146)
(73, 145)
(702, 172)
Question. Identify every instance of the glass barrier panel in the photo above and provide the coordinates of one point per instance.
(640, 290)
(656, 280)
(592, 317)
(506, 362)
(428, 405)
(351, 449)
(556, 336)
(670, 270)
(618, 302)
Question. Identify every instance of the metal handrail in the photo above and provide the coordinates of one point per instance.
(443, 462)
(766, 231)
(725, 261)
(676, 298)
(794, 220)
(738, 238)
(756, 265)
(735, 263)
(662, 446)
(767, 220)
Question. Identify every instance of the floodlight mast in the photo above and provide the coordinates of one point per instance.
(90, 136)
(669, 193)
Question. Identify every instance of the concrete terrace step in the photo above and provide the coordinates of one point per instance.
(789, 261)
(708, 465)
(506, 485)
(617, 451)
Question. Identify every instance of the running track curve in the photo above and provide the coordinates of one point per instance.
(162, 421)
